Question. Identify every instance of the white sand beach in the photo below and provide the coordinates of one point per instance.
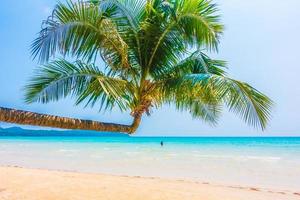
(36, 184)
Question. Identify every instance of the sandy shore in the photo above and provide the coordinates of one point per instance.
(35, 184)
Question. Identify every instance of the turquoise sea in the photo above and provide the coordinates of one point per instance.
(267, 162)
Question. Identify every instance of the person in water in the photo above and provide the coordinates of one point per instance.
(161, 143)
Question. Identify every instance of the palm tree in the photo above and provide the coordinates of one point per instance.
(155, 52)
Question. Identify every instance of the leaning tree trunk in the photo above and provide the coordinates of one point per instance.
(36, 119)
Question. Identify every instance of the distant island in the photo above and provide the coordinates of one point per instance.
(17, 131)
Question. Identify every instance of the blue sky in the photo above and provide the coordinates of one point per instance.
(260, 43)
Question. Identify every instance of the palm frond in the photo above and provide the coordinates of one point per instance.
(247, 102)
(199, 22)
(197, 62)
(61, 78)
(199, 101)
(186, 23)
(81, 30)
(127, 15)
(210, 113)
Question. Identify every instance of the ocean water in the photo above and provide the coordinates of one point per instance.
(272, 162)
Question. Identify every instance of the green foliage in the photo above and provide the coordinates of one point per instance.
(146, 48)
(61, 78)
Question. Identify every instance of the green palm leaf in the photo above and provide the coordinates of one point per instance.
(197, 62)
(80, 30)
(253, 106)
(59, 79)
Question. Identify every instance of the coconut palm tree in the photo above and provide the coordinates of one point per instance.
(155, 53)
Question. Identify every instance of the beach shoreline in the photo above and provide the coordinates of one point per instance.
(27, 183)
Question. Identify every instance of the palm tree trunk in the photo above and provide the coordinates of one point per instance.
(136, 122)
(36, 119)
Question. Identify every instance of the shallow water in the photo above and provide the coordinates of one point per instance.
(255, 162)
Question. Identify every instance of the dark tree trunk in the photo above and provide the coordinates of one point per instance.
(36, 119)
